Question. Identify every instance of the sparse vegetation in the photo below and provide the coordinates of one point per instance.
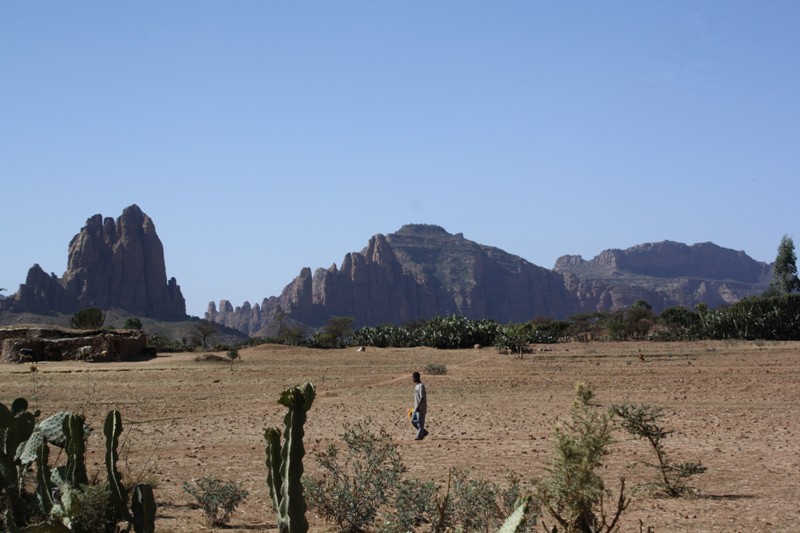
(469, 502)
(435, 369)
(133, 323)
(644, 421)
(357, 482)
(90, 318)
(233, 354)
(573, 493)
(202, 330)
(365, 484)
(64, 495)
(217, 499)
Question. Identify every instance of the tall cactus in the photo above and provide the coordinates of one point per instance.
(143, 504)
(76, 450)
(44, 486)
(285, 463)
(16, 426)
(144, 509)
(119, 493)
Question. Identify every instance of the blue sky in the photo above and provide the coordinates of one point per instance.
(264, 136)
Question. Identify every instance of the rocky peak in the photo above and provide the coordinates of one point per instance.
(419, 272)
(111, 264)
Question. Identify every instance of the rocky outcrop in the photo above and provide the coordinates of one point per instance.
(111, 264)
(422, 271)
(417, 273)
(246, 319)
(665, 274)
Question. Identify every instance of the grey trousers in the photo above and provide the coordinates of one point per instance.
(418, 421)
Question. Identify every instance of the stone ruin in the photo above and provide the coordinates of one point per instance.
(30, 344)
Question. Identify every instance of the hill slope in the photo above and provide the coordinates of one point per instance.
(423, 271)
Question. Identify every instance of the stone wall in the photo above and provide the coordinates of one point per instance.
(35, 344)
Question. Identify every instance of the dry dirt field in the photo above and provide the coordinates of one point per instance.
(735, 406)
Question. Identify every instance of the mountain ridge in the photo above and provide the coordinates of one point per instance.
(418, 272)
(443, 273)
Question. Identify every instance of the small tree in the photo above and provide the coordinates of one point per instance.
(133, 323)
(573, 493)
(514, 338)
(294, 335)
(204, 329)
(339, 328)
(784, 276)
(642, 421)
(639, 319)
(233, 355)
(90, 318)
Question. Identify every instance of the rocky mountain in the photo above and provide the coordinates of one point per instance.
(111, 264)
(419, 272)
(664, 274)
(422, 271)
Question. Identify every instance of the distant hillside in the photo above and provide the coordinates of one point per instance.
(423, 271)
(665, 274)
(419, 272)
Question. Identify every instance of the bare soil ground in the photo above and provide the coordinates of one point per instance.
(734, 406)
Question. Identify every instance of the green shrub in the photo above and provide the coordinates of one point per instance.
(91, 318)
(133, 323)
(357, 483)
(217, 499)
(573, 493)
(90, 510)
(233, 354)
(362, 487)
(385, 337)
(481, 505)
(454, 331)
(436, 369)
(414, 505)
(164, 344)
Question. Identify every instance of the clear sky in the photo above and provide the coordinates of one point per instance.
(266, 136)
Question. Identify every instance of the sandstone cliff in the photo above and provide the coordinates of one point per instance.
(665, 274)
(417, 273)
(111, 264)
(422, 271)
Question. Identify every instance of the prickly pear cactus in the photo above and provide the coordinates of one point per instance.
(52, 429)
(285, 463)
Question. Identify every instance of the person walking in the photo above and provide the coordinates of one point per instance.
(420, 407)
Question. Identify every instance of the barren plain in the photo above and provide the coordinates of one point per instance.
(735, 406)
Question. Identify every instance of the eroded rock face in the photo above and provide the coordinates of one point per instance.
(419, 272)
(665, 274)
(111, 264)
